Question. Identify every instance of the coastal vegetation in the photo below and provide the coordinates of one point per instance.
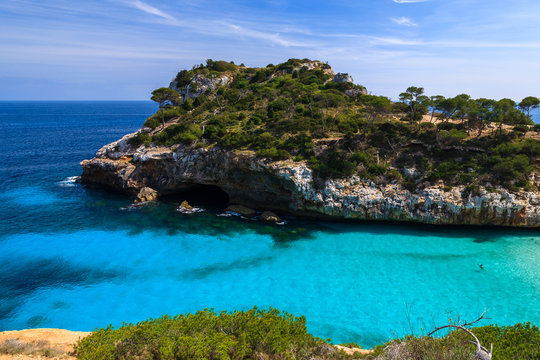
(252, 334)
(272, 334)
(300, 111)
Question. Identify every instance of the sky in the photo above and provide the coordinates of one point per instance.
(123, 49)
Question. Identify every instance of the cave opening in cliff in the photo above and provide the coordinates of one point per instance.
(209, 197)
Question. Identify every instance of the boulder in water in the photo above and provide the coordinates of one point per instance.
(146, 194)
(270, 217)
(242, 210)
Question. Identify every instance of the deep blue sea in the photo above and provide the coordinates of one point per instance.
(71, 257)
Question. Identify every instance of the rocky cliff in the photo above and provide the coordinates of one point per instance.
(289, 187)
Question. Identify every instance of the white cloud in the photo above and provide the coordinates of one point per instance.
(149, 9)
(405, 21)
(408, 1)
(273, 37)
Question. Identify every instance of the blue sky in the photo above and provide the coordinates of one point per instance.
(123, 49)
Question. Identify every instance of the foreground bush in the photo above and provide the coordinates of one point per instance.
(518, 342)
(252, 334)
(274, 335)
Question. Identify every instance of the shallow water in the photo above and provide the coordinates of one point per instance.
(72, 257)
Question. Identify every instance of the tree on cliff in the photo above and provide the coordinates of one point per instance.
(528, 104)
(416, 101)
(164, 97)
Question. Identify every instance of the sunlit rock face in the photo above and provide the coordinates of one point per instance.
(343, 77)
(289, 187)
(199, 85)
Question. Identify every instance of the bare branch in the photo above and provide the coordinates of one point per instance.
(481, 352)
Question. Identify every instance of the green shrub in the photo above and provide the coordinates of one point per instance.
(512, 168)
(251, 334)
(332, 166)
(170, 113)
(220, 65)
(140, 138)
(274, 153)
(521, 128)
(153, 121)
(183, 78)
(453, 136)
(178, 134)
(446, 170)
(521, 341)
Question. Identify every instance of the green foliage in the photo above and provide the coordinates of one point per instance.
(178, 134)
(165, 114)
(183, 78)
(521, 341)
(220, 65)
(293, 111)
(140, 138)
(165, 96)
(529, 103)
(453, 136)
(251, 334)
(152, 121)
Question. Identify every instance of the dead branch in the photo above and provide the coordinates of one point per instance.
(481, 352)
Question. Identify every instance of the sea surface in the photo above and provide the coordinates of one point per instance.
(74, 257)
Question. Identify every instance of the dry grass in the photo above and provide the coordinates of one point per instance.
(426, 348)
(38, 344)
(35, 348)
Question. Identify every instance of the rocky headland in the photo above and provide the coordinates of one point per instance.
(192, 148)
(288, 187)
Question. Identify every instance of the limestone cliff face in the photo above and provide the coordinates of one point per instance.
(288, 186)
(199, 85)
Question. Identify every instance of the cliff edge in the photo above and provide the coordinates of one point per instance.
(288, 186)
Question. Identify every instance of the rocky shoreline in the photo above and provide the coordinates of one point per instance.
(290, 187)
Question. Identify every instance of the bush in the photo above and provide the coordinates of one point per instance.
(521, 341)
(512, 168)
(251, 334)
(220, 65)
(168, 114)
(140, 138)
(178, 134)
(274, 153)
(153, 121)
(453, 136)
(521, 128)
(332, 166)
(183, 78)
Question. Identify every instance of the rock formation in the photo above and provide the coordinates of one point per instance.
(199, 85)
(146, 194)
(343, 77)
(289, 187)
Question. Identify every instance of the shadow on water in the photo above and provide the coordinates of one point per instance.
(102, 209)
(210, 270)
(20, 278)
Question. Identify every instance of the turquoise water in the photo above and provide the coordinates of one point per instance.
(72, 257)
